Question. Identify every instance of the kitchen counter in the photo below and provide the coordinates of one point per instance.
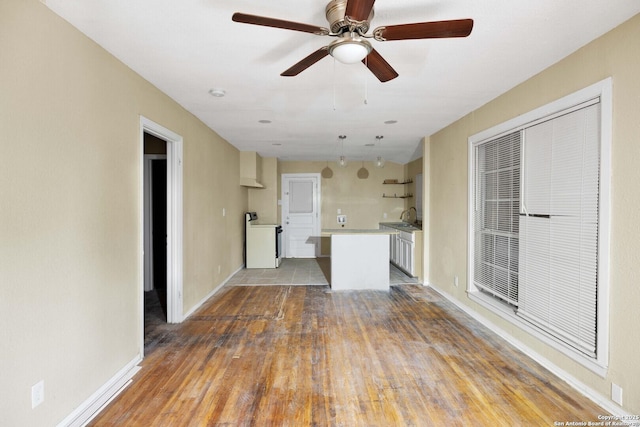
(343, 231)
(402, 226)
(359, 258)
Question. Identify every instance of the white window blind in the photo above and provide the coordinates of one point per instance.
(496, 216)
(300, 196)
(559, 226)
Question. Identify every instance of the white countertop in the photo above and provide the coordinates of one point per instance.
(403, 226)
(343, 231)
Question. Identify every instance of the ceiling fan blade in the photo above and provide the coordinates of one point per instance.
(379, 67)
(359, 10)
(306, 62)
(278, 23)
(425, 30)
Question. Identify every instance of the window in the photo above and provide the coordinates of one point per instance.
(496, 218)
(538, 214)
(558, 259)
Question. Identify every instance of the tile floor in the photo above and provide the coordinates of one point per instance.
(302, 271)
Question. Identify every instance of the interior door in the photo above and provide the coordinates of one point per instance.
(301, 215)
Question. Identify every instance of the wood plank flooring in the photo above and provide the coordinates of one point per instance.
(307, 356)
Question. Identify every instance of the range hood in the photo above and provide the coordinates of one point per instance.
(250, 169)
(248, 182)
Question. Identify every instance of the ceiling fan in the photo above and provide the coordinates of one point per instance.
(349, 22)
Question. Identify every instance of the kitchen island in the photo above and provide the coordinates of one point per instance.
(359, 258)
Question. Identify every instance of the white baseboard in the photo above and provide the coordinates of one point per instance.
(210, 294)
(101, 398)
(578, 385)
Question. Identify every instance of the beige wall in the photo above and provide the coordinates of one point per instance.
(359, 199)
(616, 54)
(70, 232)
(412, 169)
(264, 201)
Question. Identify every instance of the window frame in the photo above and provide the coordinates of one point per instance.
(602, 90)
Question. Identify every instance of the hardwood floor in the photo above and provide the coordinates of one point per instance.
(306, 356)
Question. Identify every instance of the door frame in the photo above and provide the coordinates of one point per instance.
(285, 204)
(174, 222)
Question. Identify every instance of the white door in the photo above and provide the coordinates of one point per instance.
(301, 215)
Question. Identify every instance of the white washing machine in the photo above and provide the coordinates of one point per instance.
(262, 243)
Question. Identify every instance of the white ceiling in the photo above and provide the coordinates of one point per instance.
(185, 48)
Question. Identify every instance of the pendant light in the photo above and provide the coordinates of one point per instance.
(379, 160)
(342, 160)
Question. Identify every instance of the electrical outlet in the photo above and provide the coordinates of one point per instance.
(616, 393)
(384, 215)
(342, 219)
(224, 212)
(37, 394)
(455, 281)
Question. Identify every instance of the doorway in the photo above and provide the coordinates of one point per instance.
(161, 207)
(155, 231)
(301, 215)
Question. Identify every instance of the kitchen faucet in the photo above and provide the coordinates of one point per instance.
(408, 211)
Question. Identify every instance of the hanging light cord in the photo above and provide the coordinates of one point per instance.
(366, 83)
(334, 84)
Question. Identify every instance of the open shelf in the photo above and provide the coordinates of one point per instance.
(395, 181)
(401, 196)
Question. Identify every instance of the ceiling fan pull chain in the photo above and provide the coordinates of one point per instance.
(366, 84)
(334, 84)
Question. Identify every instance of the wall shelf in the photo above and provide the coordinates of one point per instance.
(395, 181)
(401, 196)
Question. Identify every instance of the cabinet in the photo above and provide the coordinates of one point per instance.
(405, 260)
(405, 250)
(405, 255)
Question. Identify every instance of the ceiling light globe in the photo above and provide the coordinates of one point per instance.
(350, 53)
(349, 48)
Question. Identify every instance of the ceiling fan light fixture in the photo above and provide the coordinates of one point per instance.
(350, 48)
